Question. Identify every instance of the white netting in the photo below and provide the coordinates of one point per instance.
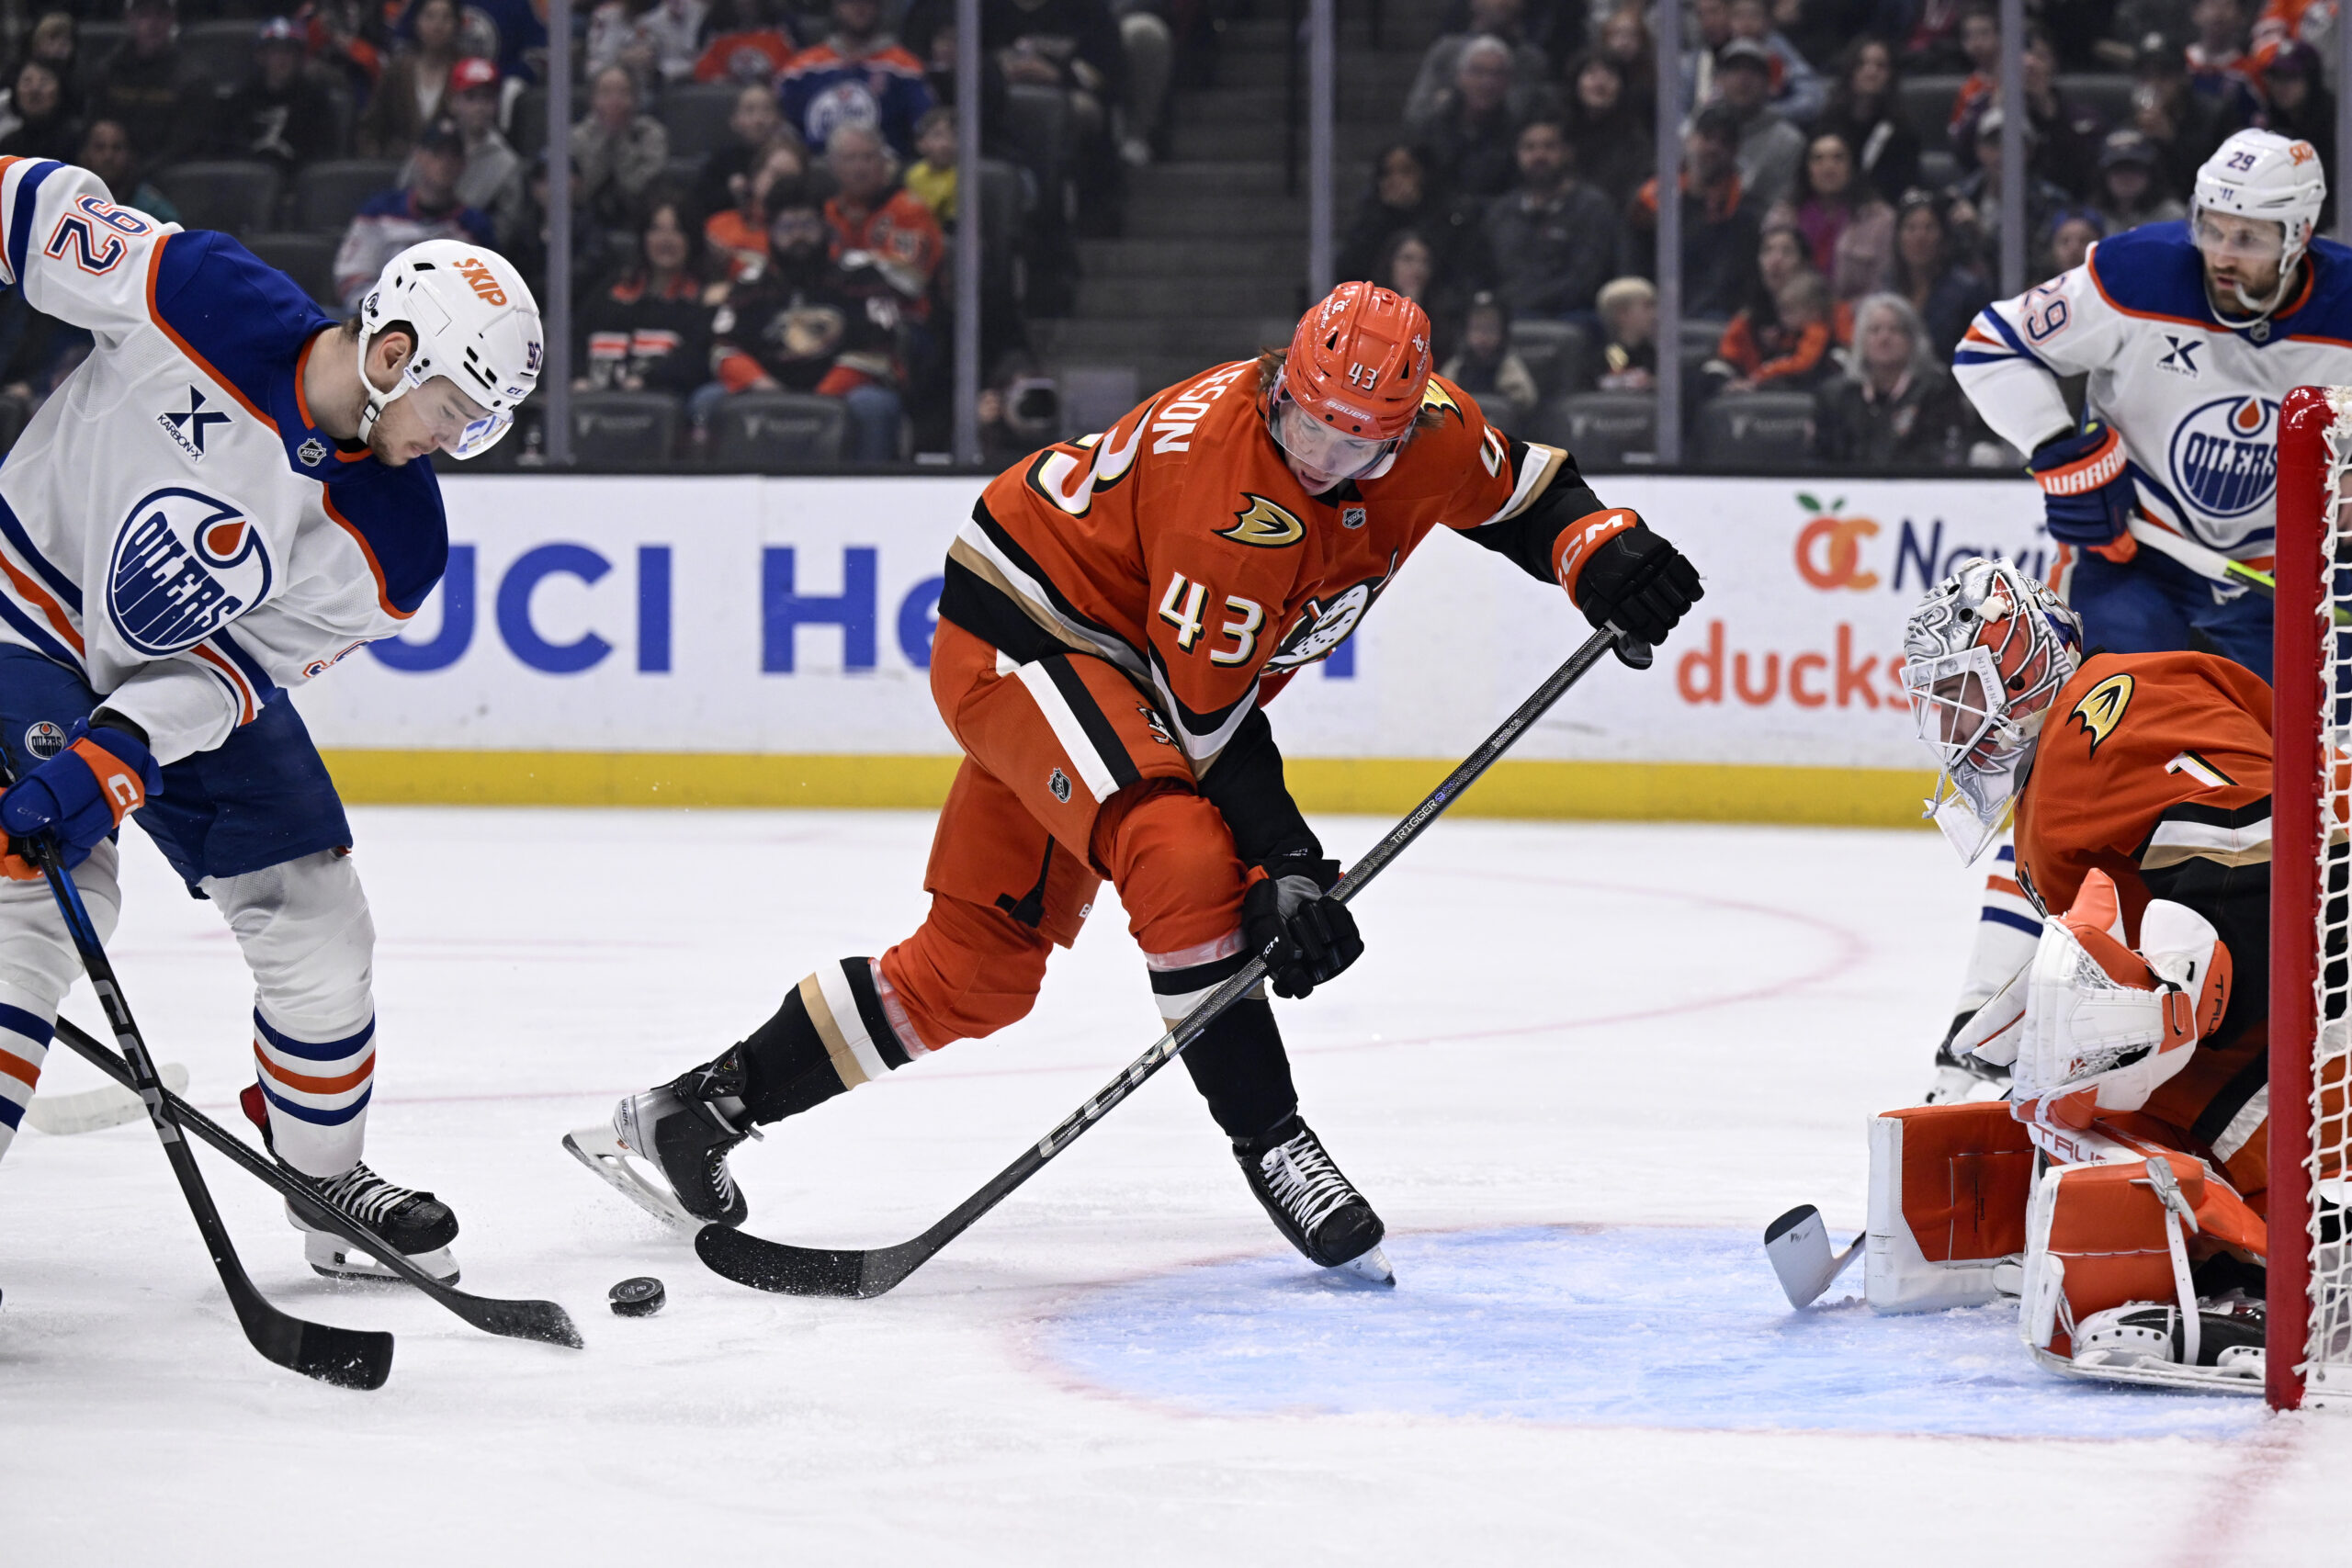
(2328, 1348)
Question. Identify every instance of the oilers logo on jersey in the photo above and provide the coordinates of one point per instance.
(2224, 455)
(184, 566)
(2194, 397)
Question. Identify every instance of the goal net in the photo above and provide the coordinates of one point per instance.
(2308, 1355)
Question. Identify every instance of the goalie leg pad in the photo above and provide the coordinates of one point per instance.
(2103, 1235)
(1948, 1185)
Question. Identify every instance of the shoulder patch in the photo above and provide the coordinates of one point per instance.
(2102, 707)
(1437, 395)
(1264, 525)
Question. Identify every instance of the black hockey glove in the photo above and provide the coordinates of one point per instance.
(1306, 936)
(1632, 579)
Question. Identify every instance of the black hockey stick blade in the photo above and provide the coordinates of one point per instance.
(542, 1321)
(806, 1271)
(817, 1272)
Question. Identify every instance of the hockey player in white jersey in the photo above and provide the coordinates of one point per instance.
(2191, 334)
(228, 496)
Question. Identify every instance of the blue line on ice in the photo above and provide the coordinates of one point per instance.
(1591, 1325)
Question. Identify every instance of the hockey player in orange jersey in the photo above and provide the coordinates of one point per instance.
(1117, 610)
(2129, 1163)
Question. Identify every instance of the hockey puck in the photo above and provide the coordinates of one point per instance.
(641, 1297)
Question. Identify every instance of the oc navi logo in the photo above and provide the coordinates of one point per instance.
(184, 566)
(2225, 456)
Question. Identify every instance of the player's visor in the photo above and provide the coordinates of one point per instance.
(1319, 446)
(2221, 236)
(480, 435)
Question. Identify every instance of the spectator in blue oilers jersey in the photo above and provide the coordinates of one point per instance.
(859, 75)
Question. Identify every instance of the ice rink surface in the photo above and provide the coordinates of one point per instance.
(1578, 1070)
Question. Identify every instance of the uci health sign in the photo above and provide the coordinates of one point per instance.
(780, 616)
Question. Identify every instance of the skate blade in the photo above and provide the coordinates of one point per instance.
(94, 1110)
(1370, 1267)
(332, 1257)
(601, 1151)
(2244, 1377)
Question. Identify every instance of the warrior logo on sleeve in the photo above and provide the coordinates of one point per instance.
(184, 566)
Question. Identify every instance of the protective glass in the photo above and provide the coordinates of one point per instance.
(1321, 447)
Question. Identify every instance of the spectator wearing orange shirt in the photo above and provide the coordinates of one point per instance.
(738, 235)
(746, 44)
(1787, 354)
(875, 222)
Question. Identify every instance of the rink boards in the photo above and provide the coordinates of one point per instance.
(750, 641)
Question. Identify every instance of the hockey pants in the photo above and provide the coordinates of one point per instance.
(1070, 778)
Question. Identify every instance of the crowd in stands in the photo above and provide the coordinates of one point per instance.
(764, 192)
(1841, 212)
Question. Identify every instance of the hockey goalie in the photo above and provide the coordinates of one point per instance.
(2127, 1168)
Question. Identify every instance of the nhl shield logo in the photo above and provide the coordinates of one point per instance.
(1059, 785)
(184, 566)
(2224, 455)
(312, 452)
(1351, 517)
(44, 740)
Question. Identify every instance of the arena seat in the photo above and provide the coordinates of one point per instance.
(1927, 105)
(624, 429)
(327, 194)
(1557, 354)
(1599, 429)
(217, 55)
(778, 433)
(696, 113)
(1742, 430)
(236, 196)
(308, 259)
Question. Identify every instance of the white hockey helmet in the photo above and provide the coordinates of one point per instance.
(1984, 657)
(474, 320)
(2262, 175)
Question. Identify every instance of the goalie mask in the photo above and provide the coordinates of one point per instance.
(1982, 657)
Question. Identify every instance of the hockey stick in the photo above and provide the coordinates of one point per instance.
(2212, 564)
(347, 1358)
(542, 1321)
(819, 1271)
(1798, 1246)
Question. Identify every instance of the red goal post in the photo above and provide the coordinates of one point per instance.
(2308, 1352)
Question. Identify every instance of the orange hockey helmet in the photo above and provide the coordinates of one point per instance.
(1351, 384)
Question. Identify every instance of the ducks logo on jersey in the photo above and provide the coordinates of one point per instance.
(184, 566)
(2224, 455)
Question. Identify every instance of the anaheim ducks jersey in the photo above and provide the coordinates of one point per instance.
(2155, 769)
(1178, 545)
(2195, 400)
(172, 524)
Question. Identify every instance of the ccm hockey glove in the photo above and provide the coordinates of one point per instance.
(83, 793)
(1306, 936)
(1619, 573)
(2086, 496)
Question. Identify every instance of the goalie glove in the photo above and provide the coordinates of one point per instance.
(2102, 1026)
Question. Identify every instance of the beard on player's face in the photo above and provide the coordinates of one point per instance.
(2240, 256)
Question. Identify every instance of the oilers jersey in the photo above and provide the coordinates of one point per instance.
(173, 526)
(2195, 400)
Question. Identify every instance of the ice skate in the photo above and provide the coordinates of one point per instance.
(2147, 1342)
(1963, 1079)
(417, 1224)
(684, 1129)
(1315, 1206)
